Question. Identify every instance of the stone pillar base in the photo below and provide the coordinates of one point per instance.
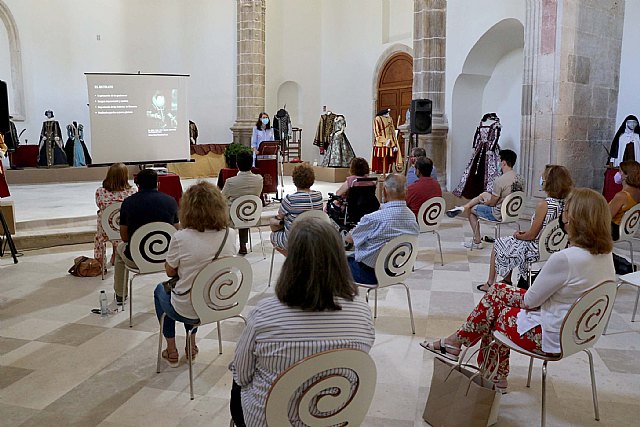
(435, 144)
(242, 130)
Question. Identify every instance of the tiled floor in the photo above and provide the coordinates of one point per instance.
(62, 365)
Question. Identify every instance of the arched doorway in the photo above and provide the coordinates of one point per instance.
(395, 83)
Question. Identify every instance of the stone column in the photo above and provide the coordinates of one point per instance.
(570, 88)
(429, 47)
(250, 74)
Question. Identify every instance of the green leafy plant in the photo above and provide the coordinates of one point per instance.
(232, 151)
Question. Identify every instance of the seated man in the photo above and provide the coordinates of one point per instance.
(424, 188)
(487, 205)
(375, 229)
(245, 183)
(145, 206)
(411, 173)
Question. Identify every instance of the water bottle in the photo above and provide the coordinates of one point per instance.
(104, 310)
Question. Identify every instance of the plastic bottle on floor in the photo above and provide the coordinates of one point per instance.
(104, 309)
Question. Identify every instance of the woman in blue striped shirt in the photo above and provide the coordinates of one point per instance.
(315, 309)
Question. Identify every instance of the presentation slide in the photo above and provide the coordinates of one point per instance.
(138, 117)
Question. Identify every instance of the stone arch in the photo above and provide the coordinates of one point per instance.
(503, 41)
(16, 90)
(290, 93)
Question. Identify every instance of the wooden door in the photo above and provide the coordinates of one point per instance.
(395, 86)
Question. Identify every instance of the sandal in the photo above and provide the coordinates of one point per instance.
(442, 349)
(480, 287)
(173, 358)
(194, 353)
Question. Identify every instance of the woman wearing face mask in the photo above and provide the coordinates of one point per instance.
(522, 247)
(262, 132)
(629, 177)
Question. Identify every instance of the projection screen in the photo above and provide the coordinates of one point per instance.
(138, 118)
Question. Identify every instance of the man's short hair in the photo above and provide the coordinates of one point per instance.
(244, 160)
(418, 152)
(424, 165)
(395, 184)
(508, 156)
(147, 179)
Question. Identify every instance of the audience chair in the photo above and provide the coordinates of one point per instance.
(429, 216)
(148, 247)
(220, 291)
(512, 206)
(334, 387)
(394, 264)
(552, 239)
(629, 224)
(314, 213)
(110, 223)
(581, 329)
(632, 279)
(245, 212)
(361, 200)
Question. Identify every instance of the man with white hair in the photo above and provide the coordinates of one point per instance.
(377, 228)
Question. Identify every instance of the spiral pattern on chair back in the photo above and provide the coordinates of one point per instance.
(246, 211)
(513, 205)
(556, 240)
(114, 221)
(330, 388)
(221, 291)
(432, 214)
(397, 261)
(585, 330)
(154, 245)
(630, 225)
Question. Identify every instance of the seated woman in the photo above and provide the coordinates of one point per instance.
(522, 247)
(115, 188)
(532, 318)
(359, 168)
(292, 205)
(311, 312)
(205, 235)
(628, 197)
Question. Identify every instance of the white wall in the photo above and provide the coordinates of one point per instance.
(628, 101)
(59, 45)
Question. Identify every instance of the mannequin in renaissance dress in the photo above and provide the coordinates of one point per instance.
(339, 153)
(386, 150)
(324, 131)
(75, 149)
(4, 188)
(625, 146)
(51, 149)
(484, 166)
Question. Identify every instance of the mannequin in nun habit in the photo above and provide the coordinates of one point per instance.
(75, 149)
(51, 149)
(625, 146)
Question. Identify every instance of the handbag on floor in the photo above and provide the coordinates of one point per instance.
(461, 395)
(85, 267)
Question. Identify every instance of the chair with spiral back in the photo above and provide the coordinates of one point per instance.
(314, 213)
(334, 387)
(148, 247)
(429, 216)
(511, 208)
(580, 330)
(110, 223)
(220, 291)
(394, 264)
(245, 212)
(552, 239)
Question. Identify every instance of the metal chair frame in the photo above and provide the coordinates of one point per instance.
(245, 212)
(110, 222)
(511, 207)
(429, 217)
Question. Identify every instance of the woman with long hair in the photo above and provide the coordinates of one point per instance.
(315, 309)
(115, 188)
(261, 132)
(532, 319)
(204, 221)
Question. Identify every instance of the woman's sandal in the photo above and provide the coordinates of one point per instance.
(173, 358)
(442, 349)
(480, 287)
(194, 353)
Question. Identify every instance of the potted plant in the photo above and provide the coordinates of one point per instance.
(232, 151)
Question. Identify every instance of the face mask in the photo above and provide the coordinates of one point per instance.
(264, 120)
(541, 183)
(617, 178)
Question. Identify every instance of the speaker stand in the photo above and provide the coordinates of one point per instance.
(6, 239)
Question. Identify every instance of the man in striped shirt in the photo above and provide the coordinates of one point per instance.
(376, 229)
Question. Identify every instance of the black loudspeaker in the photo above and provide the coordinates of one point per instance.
(4, 108)
(420, 116)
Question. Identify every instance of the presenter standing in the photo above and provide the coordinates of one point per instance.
(261, 132)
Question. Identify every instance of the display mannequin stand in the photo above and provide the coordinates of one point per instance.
(6, 239)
